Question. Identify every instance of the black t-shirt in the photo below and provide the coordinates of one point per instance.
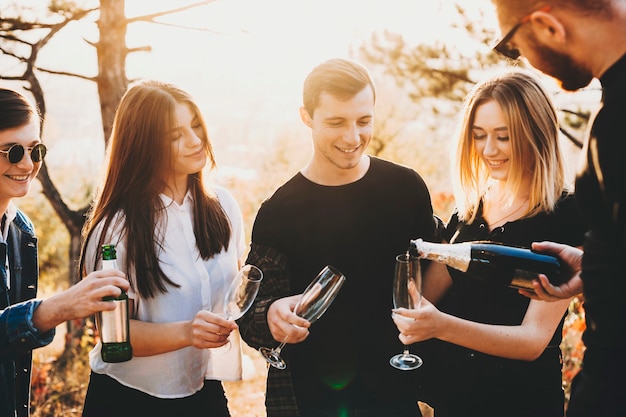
(358, 228)
(495, 385)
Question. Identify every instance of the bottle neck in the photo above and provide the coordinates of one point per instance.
(108, 264)
(457, 255)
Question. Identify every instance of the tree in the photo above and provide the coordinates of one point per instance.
(20, 24)
(438, 76)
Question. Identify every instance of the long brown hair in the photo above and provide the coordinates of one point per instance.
(138, 162)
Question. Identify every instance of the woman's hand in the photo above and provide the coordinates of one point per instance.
(418, 324)
(210, 330)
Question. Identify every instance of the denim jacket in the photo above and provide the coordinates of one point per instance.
(18, 337)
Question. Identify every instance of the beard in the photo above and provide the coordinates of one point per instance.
(571, 75)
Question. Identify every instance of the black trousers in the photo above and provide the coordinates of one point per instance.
(108, 398)
(401, 409)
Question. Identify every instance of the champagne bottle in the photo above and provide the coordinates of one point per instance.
(492, 262)
(113, 325)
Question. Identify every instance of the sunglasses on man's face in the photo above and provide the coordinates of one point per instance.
(504, 45)
(16, 153)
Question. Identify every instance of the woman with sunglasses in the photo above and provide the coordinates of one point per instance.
(27, 323)
(495, 352)
(179, 241)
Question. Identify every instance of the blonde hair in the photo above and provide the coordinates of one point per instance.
(532, 125)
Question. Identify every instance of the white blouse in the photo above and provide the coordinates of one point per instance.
(202, 283)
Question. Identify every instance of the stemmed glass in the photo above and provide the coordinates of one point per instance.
(240, 295)
(313, 302)
(407, 287)
(242, 292)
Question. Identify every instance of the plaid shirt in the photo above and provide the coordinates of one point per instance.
(289, 237)
(281, 399)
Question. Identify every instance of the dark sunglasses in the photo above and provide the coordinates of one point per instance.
(16, 153)
(504, 47)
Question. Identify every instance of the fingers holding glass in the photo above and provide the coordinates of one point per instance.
(312, 304)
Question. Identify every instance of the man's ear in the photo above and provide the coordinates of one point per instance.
(548, 28)
(305, 117)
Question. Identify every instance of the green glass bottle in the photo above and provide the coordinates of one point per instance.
(113, 325)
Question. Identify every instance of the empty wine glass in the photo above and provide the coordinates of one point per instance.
(242, 292)
(313, 302)
(240, 295)
(407, 287)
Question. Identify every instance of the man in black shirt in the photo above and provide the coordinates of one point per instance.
(575, 41)
(355, 212)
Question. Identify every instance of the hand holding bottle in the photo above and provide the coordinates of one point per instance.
(114, 324)
(571, 261)
(81, 300)
(91, 290)
(492, 262)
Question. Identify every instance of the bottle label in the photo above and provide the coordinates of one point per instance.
(457, 256)
(523, 279)
(112, 326)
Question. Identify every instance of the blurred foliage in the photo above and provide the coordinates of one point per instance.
(53, 235)
(53, 239)
(572, 345)
(420, 91)
(436, 76)
(59, 384)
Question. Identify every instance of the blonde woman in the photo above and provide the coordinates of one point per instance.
(495, 352)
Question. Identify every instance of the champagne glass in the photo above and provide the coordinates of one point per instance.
(242, 292)
(313, 302)
(407, 287)
(240, 295)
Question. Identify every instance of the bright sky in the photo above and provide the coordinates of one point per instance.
(263, 48)
(247, 63)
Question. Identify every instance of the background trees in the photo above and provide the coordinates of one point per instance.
(25, 32)
(23, 38)
(421, 86)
